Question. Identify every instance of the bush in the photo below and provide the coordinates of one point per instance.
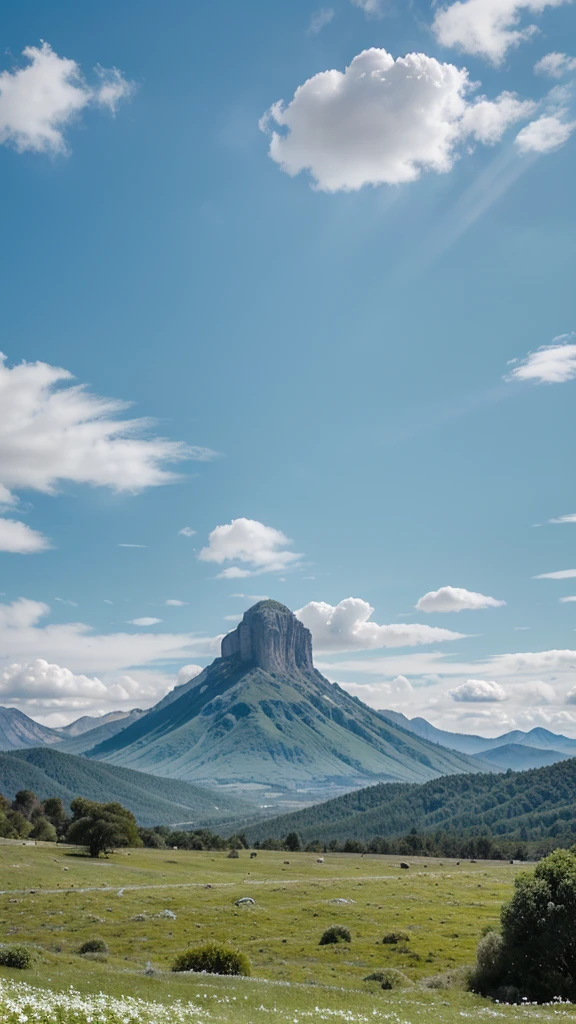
(536, 954)
(16, 956)
(336, 933)
(94, 946)
(389, 978)
(392, 938)
(214, 958)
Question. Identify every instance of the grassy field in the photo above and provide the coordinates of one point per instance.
(54, 900)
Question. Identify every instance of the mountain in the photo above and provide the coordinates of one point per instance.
(541, 739)
(261, 718)
(111, 725)
(520, 758)
(17, 730)
(90, 722)
(518, 805)
(154, 801)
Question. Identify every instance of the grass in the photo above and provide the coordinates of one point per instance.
(57, 900)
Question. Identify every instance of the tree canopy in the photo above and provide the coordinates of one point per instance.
(102, 827)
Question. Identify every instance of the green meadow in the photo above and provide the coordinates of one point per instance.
(54, 900)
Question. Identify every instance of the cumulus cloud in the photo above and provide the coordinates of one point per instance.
(40, 100)
(52, 431)
(478, 691)
(346, 626)
(455, 599)
(17, 537)
(562, 574)
(568, 600)
(571, 696)
(555, 65)
(373, 8)
(258, 549)
(319, 20)
(174, 603)
(547, 133)
(144, 622)
(187, 531)
(188, 672)
(488, 28)
(41, 679)
(564, 519)
(384, 121)
(550, 364)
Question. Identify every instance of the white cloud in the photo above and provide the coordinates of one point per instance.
(555, 65)
(258, 547)
(132, 545)
(40, 100)
(144, 622)
(41, 679)
(174, 603)
(564, 519)
(383, 121)
(571, 696)
(478, 691)
(567, 600)
(17, 537)
(487, 28)
(547, 133)
(319, 20)
(346, 627)
(187, 531)
(551, 364)
(52, 431)
(232, 618)
(562, 574)
(188, 672)
(373, 8)
(455, 599)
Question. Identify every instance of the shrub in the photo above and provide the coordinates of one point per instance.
(214, 958)
(392, 938)
(16, 956)
(536, 954)
(233, 854)
(389, 978)
(335, 933)
(94, 946)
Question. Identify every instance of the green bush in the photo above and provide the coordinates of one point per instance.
(94, 946)
(392, 938)
(335, 933)
(389, 978)
(536, 954)
(213, 958)
(16, 956)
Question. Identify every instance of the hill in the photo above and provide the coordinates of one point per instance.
(261, 717)
(18, 730)
(154, 801)
(90, 722)
(519, 805)
(79, 742)
(541, 739)
(520, 758)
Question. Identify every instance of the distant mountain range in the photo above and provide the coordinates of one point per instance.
(18, 731)
(262, 719)
(529, 805)
(517, 750)
(154, 801)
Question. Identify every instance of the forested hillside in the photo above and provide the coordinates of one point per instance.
(518, 805)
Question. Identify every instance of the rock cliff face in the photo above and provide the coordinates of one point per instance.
(271, 638)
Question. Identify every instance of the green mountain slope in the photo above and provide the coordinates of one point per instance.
(154, 801)
(17, 730)
(520, 758)
(519, 805)
(262, 716)
(78, 743)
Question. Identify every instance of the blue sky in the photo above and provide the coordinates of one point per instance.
(339, 336)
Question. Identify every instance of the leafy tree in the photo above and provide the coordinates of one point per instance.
(44, 830)
(536, 955)
(54, 810)
(292, 842)
(26, 802)
(102, 827)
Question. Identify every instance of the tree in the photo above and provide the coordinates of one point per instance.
(54, 811)
(44, 830)
(292, 842)
(26, 802)
(102, 827)
(537, 954)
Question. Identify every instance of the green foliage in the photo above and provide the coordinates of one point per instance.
(151, 839)
(102, 827)
(214, 958)
(20, 957)
(93, 946)
(536, 953)
(292, 842)
(392, 938)
(44, 830)
(389, 978)
(335, 933)
(456, 815)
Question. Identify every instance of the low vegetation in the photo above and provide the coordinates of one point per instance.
(335, 933)
(213, 958)
(17, 957)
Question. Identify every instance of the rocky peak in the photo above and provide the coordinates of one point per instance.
(271, 637)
